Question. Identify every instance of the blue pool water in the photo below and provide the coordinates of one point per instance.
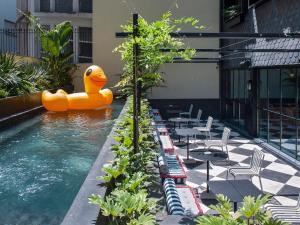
(44, 161)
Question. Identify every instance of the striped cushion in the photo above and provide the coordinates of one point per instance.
(172, 198)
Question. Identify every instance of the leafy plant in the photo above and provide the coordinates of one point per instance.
(127, 175)
(17, 77)
(151, 39)
(250, 213)
(56, 51)
(123, 207)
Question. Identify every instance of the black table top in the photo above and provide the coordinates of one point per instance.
(235, 190)
(209, 155)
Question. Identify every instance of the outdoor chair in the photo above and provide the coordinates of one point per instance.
(252, 170)
(285, 213)
(207, 128)
(196, 121)
(222, 143)
(187, 114)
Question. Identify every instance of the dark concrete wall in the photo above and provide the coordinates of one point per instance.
(210, 107)
(18, 104)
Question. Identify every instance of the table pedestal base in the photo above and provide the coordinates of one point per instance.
(180, 143)
(207, 196)
(189, 161)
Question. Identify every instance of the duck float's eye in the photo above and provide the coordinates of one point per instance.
(89, 72)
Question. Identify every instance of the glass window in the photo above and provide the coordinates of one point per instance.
(274, 89)
(289, 92)
(242, 85)
(289, 141)
(86, 6)
(85, 45)
(247, 78)
(231, 84)
(64, 6)
(44, 5)
(274, 129)
(263, 89)
(236, 84)
(263, 124)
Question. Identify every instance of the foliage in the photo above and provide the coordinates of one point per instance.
(250, 213)
(127, 175)
(231, 12)
(17, 77)
(151, 39)
(56, 50)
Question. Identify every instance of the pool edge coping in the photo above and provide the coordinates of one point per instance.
(81, 212)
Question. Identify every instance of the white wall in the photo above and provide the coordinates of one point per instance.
(8, 11)
(182, 80)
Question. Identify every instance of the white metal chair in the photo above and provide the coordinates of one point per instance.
(285, 213)
(220, 143)
(189, 113)
(252, 170)
(196, 121)
(207, 128)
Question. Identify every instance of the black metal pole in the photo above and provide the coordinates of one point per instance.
(134, 82)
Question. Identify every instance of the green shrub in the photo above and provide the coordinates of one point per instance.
(17, 77)
(250, 213)
(128, 175)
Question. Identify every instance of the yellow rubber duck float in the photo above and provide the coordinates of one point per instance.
(93, 97)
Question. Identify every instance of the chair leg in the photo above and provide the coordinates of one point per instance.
(209, 135)
(227, 151)
(261, 188)
(227, 174)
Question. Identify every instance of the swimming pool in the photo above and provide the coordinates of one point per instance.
(44, 161)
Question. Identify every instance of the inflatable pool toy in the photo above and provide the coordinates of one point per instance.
(93, 97)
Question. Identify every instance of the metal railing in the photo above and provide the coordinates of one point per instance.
(26, 42)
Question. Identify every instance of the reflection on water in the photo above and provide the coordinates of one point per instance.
(44, 163)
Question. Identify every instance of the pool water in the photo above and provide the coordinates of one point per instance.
(44, 161)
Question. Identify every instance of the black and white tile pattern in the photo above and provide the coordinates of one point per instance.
(278, 177)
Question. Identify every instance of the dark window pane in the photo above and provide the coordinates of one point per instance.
(274, 130)
(86, 6)
(231, 84)
(263, 89)
(85, 34)
(236, 84)
(242, 85)
(289, 92)
(288, 141)
(85, 44)
(274, 89)
(64, 6)
(247, 79)
(44, 5)
(298, 74)
(263, 124)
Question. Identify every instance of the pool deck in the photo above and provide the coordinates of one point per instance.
(279, 178)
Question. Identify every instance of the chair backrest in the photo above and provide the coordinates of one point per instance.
(298, 203)
(191, 108)
(209, 122)
(199, 114)
(256, 161)
(226, 135)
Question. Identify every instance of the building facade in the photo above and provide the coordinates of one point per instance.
(260, 90)
(184, 83)
(78, 12)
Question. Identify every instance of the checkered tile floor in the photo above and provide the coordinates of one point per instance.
(278, 177)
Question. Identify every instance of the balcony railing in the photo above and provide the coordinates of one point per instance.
(26, 42)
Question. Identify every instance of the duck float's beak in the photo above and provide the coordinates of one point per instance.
(96, 75)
